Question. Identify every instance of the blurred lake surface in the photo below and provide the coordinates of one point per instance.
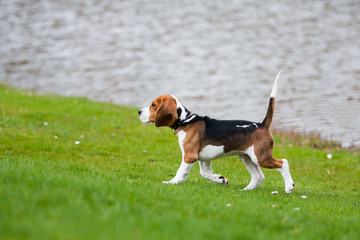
(219, 57)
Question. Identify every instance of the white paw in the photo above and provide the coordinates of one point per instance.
(289, 187)
(167, 182)
(253, 184)
(247, 188)
(222, 180)
(174, 181)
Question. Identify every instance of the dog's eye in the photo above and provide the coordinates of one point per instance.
(153, 105)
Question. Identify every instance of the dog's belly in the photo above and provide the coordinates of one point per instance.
(210, 152)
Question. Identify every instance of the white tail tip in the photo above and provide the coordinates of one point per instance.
(275, 87)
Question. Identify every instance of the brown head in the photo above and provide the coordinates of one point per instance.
(162, 111)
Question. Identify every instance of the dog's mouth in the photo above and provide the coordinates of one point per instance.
(144, 115)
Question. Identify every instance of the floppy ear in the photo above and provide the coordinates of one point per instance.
(167, 114)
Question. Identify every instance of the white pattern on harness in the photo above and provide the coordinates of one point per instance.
(246, 126)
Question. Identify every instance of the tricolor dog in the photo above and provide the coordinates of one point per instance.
(205, 139)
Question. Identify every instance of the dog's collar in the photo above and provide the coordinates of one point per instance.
(190, 118)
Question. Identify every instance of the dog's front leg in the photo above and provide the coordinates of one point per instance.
(181, 174)
(189, 157)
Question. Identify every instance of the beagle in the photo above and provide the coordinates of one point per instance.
(204, 139)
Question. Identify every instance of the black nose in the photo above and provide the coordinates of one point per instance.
(139, 112)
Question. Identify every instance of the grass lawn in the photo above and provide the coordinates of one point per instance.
(108, 185)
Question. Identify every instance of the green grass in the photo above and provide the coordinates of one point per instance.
(108, 187)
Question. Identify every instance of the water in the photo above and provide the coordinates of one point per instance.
(219, 57)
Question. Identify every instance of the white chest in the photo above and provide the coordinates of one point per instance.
(181, 135)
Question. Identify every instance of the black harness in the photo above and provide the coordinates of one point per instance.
(191, 118)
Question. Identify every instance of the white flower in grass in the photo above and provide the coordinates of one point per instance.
(46, 123)
(329, 156)
(77, 142)
(56, 137)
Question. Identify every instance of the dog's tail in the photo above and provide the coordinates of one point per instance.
(270, 112)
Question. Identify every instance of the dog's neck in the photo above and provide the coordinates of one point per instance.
(184, 117)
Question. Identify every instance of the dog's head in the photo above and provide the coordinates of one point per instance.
(163, 111)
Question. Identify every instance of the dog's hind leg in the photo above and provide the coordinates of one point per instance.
(285, 173)
(257, 175)
(282, 166)
(207, 172)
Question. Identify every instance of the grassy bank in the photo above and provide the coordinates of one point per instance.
(71, 168)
